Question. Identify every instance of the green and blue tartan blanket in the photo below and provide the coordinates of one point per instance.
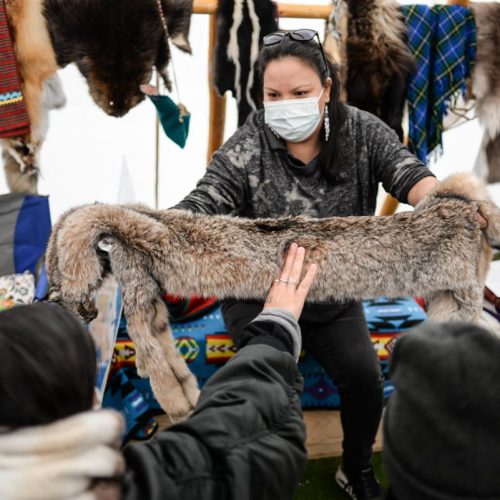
(442, 39)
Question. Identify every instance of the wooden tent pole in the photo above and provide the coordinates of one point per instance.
(284, 9)
(217, 111)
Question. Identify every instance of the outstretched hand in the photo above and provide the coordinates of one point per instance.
(287, 291)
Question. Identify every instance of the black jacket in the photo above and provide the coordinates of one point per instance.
(245, 440)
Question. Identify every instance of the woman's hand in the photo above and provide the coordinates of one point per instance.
(287, 291)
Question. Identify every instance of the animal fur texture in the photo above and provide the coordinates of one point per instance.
(36, 63)
(114, 44)
(21, 155)
(335, 42)
(75, 457)
(486, 82)
(379, 61)
(241, 25)
(438, 251)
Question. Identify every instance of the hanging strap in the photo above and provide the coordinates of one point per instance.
(167, 36)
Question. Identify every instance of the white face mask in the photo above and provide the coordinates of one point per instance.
(294, 120)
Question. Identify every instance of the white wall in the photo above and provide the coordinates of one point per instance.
(83, 155)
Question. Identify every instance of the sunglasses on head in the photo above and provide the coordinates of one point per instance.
(303, 35)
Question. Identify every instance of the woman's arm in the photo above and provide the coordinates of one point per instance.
(224, 187)
(420, 189)
(392, 164)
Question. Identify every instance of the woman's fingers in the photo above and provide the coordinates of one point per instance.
(298, 263)
(290, 258)
(305, 285)
(288, 291)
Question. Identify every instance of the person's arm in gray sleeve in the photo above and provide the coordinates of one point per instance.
(286, 320)
(224, 187)
(392, 163)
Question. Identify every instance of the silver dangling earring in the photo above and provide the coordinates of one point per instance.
(327, 124)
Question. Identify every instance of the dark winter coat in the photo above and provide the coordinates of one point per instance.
(245, 439)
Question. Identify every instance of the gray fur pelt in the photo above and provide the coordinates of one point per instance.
(486, 82)
(438, 251)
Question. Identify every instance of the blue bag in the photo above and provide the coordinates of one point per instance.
(25, 228)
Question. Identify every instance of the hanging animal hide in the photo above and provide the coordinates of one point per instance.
(438, 251)
(335, 43)
(36, 62)
(486, 82)
(380, 62)
(115, 45)
(241, 25)
(21, 155)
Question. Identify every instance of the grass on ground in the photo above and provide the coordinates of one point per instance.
(318, 482)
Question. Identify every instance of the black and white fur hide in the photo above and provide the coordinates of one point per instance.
(116, 44)
(241, 24)
(486, 82)
(380, 62)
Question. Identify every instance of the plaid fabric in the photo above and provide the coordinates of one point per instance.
(14, 119)
(420, 21)
(454, 57)
(442, 40)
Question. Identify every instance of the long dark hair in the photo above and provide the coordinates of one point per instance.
(47, 365)
(310, 54)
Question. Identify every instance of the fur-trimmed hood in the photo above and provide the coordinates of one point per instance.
(71, 457)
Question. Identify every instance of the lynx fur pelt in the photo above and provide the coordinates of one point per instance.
(438, 251)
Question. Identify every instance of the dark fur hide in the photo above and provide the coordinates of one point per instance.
(379, 60)
(116, 44)
(486, 81)
(230, 53)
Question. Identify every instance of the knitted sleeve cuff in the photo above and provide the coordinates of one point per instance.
(287, 321)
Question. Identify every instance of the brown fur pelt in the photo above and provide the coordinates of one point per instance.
(486, 82)
(335, 42)
(379, 61)
(438, 251)
(116, 44)
(21, 155)
(36, 62)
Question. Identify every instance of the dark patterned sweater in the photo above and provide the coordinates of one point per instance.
(252, 175)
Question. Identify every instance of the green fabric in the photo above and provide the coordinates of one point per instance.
(175, 124)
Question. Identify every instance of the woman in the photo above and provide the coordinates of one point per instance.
(306, 153)
(245, 439)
